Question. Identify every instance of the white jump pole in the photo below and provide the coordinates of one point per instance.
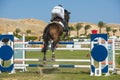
(56, 60)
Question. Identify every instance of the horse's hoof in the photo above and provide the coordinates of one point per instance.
(53, 59)
(44, 62)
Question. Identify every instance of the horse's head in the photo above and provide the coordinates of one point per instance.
(67, 15)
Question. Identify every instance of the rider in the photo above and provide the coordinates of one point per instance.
(59, 11)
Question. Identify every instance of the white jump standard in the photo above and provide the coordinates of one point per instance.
(99, 53)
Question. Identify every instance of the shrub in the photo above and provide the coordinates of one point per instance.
(30, 38)
(16, 35)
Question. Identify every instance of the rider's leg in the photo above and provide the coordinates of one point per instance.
(65, 25)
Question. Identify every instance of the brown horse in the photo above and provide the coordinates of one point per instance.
(52, 33)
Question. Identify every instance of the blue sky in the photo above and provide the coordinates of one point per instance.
(91, 11)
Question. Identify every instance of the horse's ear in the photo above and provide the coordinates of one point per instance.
(69, 12)
(66, 11)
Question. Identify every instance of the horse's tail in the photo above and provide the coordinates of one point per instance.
(46, 39)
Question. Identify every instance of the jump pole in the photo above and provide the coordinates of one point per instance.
(56, 60)
(54, 66)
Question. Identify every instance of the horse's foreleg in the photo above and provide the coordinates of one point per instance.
(66, 34)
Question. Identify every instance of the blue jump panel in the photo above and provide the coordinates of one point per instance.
(35, 42)
(66, 66)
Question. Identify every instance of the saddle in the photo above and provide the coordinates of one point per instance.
(61, 22)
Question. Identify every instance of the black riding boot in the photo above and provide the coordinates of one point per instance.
(65, 26)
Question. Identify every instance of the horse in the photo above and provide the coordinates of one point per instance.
(52, 33)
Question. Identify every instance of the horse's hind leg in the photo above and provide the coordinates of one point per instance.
(45, 50)
(53, 46)
(53, 54)
(44, 58)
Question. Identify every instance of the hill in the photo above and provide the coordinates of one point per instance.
(10, 25)
(37, 26)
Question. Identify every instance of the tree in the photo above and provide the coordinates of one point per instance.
(101, 24)
(17, 30)
(71, 28)
(86, 28)
(28, 32)
(114, 31)
(108, 29)
(78, 27)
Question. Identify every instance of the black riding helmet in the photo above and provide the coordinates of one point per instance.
(60, 5)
